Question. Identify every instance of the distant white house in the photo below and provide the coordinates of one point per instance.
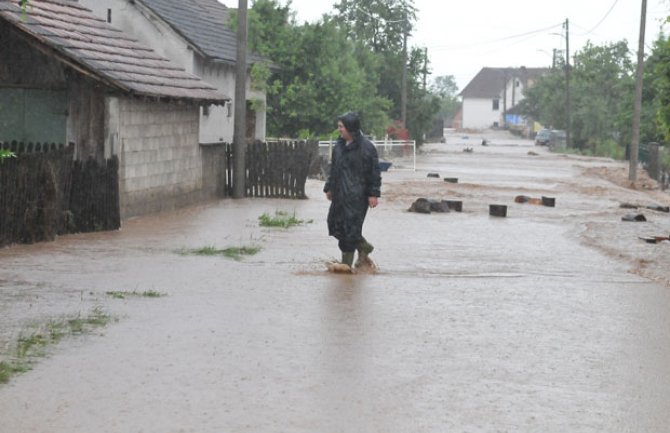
(489, 99)
(194, 34)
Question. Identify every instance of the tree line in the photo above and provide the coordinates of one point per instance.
(602, 88)
(352, 59)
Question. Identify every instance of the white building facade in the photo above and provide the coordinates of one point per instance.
(492, 93)
(194, 35)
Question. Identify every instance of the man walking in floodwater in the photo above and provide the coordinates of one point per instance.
(353, 185)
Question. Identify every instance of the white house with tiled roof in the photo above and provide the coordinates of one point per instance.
(69, 77)
(492, 93)
(196, 35)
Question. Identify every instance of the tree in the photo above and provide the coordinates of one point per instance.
(602, 84)
(379, 24)
(655, 119)
(545, 100)
(319, 73)
(384, 26)
(350, 62)
(445, 88)
(422, 105)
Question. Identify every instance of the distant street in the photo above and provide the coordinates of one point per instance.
(552, 319)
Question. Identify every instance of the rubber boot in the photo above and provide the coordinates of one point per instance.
(348, 258)
(364, 249)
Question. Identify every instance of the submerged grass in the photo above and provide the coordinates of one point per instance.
(280, 219)
(236, 253)
(231, 252)
(122, 294)
(32, 344)
(9, 369)
(204, 251)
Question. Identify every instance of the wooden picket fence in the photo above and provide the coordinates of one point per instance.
(30, 147)
(274, 169)
(278, 169)
(44, 193)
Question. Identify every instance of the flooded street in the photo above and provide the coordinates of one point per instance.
(553, 319)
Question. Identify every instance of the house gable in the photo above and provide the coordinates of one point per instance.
(196, 35)
(70, 33)
(204, 24)
(493, 92)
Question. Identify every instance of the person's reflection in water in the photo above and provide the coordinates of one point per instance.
(347, 358)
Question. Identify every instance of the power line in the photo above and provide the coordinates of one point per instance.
(601, 21)
(493, 41)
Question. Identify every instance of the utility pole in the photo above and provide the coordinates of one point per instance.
(403, 85)
(567, 83)
(425, 67)
(240, 125)
(553, 60)
(504, 109)
(639, 74)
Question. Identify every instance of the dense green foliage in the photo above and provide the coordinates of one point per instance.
(316, 73)
(349, 61)
(602, 83)
(446, 90)
(655, 123)
(602, 89)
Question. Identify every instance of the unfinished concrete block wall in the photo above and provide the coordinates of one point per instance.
(160, 158)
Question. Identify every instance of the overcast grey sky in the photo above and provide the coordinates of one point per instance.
(463, 37)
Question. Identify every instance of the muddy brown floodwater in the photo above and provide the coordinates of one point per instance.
(553, 319)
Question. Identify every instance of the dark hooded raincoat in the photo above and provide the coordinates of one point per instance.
(354, 176)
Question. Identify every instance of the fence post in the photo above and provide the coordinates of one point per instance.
(654, 164)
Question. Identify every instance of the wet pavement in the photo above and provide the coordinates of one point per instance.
(551, 319)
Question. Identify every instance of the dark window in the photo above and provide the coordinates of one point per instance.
(36, 115)
(496, 104)
(109, 15)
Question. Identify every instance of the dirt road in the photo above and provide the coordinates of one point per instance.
(551, 319)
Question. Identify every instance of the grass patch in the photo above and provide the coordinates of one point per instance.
(204, 251)
(9, 369)
(32, 344)
(120, 294)
(231, 252)
(601, 148)
(237, 253)
(280, 219)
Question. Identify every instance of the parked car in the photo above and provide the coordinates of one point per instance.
(543, 137)
(550, 137)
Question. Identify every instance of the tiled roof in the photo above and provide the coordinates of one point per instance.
(490, 82)
(96, 48)
(204, 23)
